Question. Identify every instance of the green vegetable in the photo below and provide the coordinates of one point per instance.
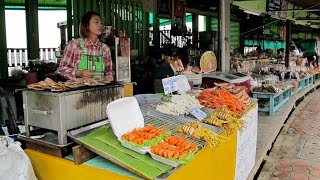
(185, 160)
(166, 98)
(156, 140)
(147, 143)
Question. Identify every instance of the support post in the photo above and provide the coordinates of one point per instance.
(156, 32)
(195, 29)
(3, 42)
(32, 28)
(69, 20)
(243, 25)
(288, 42)
(225, 34)
(63, 36)
(145, 34)
(208, 23)
(218, 55)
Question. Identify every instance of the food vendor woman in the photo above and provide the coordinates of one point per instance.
(87, 57)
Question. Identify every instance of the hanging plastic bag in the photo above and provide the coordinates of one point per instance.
(14, 163)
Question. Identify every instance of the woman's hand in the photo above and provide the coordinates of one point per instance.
(84, 74)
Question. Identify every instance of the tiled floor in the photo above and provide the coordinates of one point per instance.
(296, 152)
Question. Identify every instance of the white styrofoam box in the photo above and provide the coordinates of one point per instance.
(183, 84)
(124, 115)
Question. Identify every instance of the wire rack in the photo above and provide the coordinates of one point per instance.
(171, 123)
(150, 110)
(172, 126)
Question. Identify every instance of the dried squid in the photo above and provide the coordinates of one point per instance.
(196, 130)
(226, 119)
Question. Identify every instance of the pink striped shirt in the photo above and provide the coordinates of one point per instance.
(72, 54)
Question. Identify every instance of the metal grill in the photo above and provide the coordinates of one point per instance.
(171, 123)
(171, 126)
(151, 111)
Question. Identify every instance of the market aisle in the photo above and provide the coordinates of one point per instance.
(296, 152)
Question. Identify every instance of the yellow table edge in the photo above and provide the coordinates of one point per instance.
(207, 164)
(48, 167)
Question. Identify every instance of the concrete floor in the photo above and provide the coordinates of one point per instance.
(296, 149)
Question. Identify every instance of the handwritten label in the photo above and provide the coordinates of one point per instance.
(198, 113)
(169, 85)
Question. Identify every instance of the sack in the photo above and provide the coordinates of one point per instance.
(14, 163)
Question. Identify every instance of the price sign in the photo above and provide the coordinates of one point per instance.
(169, 85)
(198, 113)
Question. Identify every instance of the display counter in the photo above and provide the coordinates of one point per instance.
(207, 164)
(218, 163)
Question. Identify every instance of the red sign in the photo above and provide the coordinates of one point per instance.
(179, 8)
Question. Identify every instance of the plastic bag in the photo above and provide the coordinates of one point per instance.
(14, 163)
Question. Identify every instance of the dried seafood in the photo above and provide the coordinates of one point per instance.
(196, 130)
(68, 85)
(226, 119)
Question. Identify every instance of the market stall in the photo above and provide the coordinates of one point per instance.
(271, 81)
(222, 150)
(220, 164)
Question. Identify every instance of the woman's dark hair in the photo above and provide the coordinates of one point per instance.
(84, 23)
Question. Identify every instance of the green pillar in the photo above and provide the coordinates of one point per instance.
(288, 42)
(107, 13)
(134, 26)
(76, 18)
(3, 43)
(32, 28)
(145, 34)
(156, 32)
(208, 23)
(243, 25)
(130, 24)
(195, 29)
(140, 28)
(69, 20)
(118, 24)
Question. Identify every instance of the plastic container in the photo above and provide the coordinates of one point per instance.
(142, 150)
(125, 115)
(163, 160)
